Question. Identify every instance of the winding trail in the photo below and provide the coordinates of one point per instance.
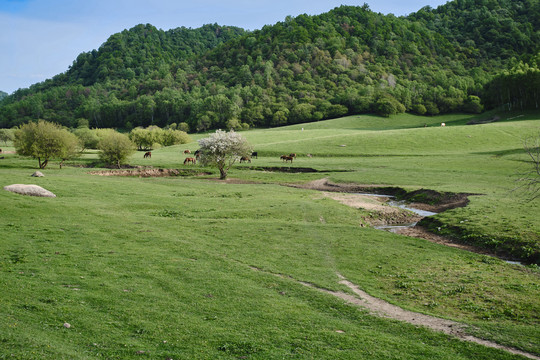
(382, 308)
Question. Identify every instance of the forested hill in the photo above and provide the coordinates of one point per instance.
(346, 61)
(3, 95)
(142, 50)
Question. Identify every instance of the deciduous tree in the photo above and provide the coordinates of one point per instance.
(6, 135)
(222, 149)
(43, 141)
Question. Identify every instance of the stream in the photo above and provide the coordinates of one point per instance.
(400, 204)
(396, 227)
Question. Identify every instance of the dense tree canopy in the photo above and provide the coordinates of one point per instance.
(347, 61)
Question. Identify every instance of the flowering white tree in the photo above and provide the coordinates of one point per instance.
(222, 149)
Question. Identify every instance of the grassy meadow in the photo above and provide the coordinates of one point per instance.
(187, 267)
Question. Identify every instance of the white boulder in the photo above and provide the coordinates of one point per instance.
(32, 190)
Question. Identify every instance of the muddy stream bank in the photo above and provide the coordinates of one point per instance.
(401, 217)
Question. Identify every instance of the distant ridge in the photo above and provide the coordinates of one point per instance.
(349, 60)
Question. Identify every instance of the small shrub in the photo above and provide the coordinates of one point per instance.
(115, 148)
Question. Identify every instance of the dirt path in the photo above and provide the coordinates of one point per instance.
(344, 193)
(383, 308)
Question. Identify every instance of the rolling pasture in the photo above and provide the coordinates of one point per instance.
(195, 268)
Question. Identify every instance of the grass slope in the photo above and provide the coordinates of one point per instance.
(164, 267)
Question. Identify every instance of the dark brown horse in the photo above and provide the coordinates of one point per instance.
(245, 159)
(187, 151)
(293, 155)
(147, 154)
(190, 160)
(286, 158)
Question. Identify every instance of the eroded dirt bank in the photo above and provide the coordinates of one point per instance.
(149, 172)
(423, 199)
(383, 214)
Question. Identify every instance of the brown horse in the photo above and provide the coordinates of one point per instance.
(147, 154)
(293, 155)
(286, 158)
(187, 151)
(190, 160)
(245, 159)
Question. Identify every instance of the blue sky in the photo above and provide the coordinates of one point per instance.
(41, 38)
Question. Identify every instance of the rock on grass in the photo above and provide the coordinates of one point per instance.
(32, 190)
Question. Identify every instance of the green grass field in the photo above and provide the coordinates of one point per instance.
(185, 267)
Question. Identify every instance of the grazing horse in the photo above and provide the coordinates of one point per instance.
(443, 124)
(245, 159)
(293, 155)
(286, 158)
(187, 151)
(254, 154)
(147, 154)
(309, 155)
(190, 160)
(197, 154)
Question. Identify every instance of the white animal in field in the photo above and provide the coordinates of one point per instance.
(443, 124)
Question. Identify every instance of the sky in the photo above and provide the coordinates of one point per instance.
(42, 38)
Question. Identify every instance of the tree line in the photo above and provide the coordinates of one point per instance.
(45, 141)
(350, 60)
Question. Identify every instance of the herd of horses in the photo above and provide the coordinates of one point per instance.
(243, 159)
(289, 157)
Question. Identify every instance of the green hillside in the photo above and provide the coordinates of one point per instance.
(189, 267)
(456, 58)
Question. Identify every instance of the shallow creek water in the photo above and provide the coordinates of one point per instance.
(402, 205)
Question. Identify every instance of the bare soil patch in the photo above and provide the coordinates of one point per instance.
(288, 169)
(381, 213)
(145, 172)
(423, 199)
